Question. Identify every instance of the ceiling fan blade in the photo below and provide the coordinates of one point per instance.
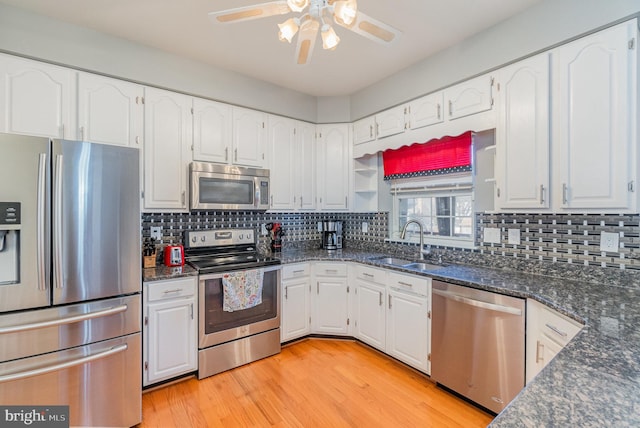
(248, 13)
(373, 29)
(306, 40)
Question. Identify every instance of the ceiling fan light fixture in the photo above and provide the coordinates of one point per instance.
(344, 12)
(297, 5)
(329, 37)
(288, 29)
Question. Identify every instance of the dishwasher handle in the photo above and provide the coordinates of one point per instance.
(478, 303)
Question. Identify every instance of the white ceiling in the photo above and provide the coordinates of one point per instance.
(252, 48)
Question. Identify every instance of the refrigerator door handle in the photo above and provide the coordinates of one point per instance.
(41, 220)
(62, 321)
(62, 366)
(57, 225)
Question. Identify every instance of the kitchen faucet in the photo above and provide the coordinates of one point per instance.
(404, 231)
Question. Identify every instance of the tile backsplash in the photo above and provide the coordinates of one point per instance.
(564, 238)
(548, 242)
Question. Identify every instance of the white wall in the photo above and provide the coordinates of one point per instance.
(543, 25)
(32, 35)
(334, 109)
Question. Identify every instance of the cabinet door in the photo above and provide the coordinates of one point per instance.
(426, 111)
(334, 166)
(295, 309)
(166, 149)
(331, 306)
(390, 122)
(36, 98)
(306, 166)
(249, 137)
(364, 130)
(469, 97)
(211, 131)
(408, 328)
(594, 119)
(370, 319)
(110, 111)
(522, 135)
(282, 160)
(171, 339)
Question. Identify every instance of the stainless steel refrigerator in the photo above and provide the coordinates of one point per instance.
(70, 279)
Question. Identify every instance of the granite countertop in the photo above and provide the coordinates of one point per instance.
(594, 380)
(161, 272)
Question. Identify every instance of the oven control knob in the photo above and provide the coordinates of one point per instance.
(203, 238)
(240, 237)
(194, 239)
(249, 236)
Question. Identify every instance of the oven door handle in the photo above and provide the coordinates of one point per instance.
(217, 275)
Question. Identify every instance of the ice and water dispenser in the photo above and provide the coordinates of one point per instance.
(9, 243)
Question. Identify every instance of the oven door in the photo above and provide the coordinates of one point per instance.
(218, 326)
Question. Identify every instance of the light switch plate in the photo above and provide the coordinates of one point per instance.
(156, 233)
(365, 227)
(514, 236)
(491, 235)
(319, 226)
(609, 242)
(263, 229)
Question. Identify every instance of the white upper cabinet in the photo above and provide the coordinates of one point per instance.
(390, 122)
(469, 97)
(211, 131)
(167, 154)
(37, 98)
(249, 137)
(334, 166)
(364, 130)
(594, 120)
(282, 161)
(305, 177)
(425, 111)
(522, 135)
(110, 111)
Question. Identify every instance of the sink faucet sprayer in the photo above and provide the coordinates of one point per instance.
(421, 250)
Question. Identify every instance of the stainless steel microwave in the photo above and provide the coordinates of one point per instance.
(226, 187)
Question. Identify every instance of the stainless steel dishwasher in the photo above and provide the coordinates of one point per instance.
(477, 344)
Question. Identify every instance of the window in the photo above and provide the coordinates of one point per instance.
(445, 211)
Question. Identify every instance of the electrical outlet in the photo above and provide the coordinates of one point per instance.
(156, 233)
(609, 242)
(491, 235)
(263, 229)
(514, 236)
(319, 226)
(365, 227)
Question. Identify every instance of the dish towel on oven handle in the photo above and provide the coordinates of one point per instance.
(242, 289)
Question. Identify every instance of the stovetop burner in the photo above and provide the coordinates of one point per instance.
(220, 250)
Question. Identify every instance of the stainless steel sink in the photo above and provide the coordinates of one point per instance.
(390, 261)
(422, 266)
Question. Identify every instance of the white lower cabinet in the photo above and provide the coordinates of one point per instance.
(296, 292)
(369, 306)
(408, 319)
(330, 299)
(170, 330)
(547, 333)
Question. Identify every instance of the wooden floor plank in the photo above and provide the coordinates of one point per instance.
(311, 383)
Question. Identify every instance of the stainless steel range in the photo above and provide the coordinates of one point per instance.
(238, 291)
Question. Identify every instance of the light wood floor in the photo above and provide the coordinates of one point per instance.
(312, 383)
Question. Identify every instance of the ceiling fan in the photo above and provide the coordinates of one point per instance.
(318, 17)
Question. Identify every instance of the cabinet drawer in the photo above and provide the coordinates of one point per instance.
(370, 274)
(171, 289)
(331, 269)
(557, 327)
(295, 270)
(414, 284)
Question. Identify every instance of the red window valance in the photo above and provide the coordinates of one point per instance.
(436, 157)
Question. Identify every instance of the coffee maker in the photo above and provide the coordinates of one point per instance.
(331, 235)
